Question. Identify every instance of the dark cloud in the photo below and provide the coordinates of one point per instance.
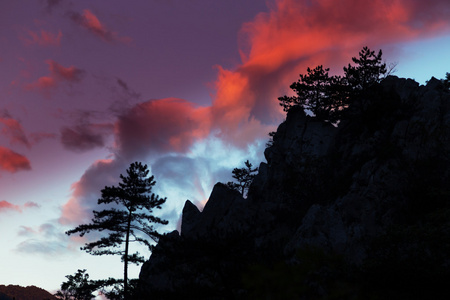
(85, 137)
(159, 126)
(128, 91)
(51, 4)
(89, 21)
(13, 129)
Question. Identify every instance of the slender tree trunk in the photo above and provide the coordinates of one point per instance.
(125, 261)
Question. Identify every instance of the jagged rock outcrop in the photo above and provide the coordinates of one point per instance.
(373, 191)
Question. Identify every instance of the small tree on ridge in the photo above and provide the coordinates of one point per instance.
(244, 177)
(369, 69)
(317, 92)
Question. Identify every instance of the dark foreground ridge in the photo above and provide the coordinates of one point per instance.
(17, 292)
(358, 211)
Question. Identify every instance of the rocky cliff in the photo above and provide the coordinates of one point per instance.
(358, 211)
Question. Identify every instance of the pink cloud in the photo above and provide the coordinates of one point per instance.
(86, 191)
(12, 162)
(90, 21)
(43, 39)
(5, 205)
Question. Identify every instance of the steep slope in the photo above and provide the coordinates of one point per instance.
(332, 209)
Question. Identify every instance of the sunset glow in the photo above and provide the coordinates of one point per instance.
(189, 88)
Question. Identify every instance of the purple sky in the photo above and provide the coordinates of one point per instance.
(188, 87)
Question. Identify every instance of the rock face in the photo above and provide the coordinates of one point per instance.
(373, 192)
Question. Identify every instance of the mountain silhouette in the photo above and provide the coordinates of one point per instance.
(357, 211)
(16, 292)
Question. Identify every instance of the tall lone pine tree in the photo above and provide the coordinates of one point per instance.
(128, 216)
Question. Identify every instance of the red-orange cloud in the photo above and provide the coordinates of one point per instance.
(294, 29)
(293, 35)
(90, 21)
(11, 161)
(45, 38)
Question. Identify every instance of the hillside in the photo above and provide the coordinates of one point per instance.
(9, 292)
(358, 211)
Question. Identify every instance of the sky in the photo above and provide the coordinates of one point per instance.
(188, 87)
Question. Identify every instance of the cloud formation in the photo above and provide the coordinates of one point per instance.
(160, 126)
(50, 4)
(13, 129)
(5, 205)
(58, 74)
(86, 191)
(84, 137)
(146, 130)
(13, 162)
(45, 38)
(127, 90)
(48, 240)
(275, 47)
(37, 137)
(279, 44)
(69, 74)
(89, 21)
